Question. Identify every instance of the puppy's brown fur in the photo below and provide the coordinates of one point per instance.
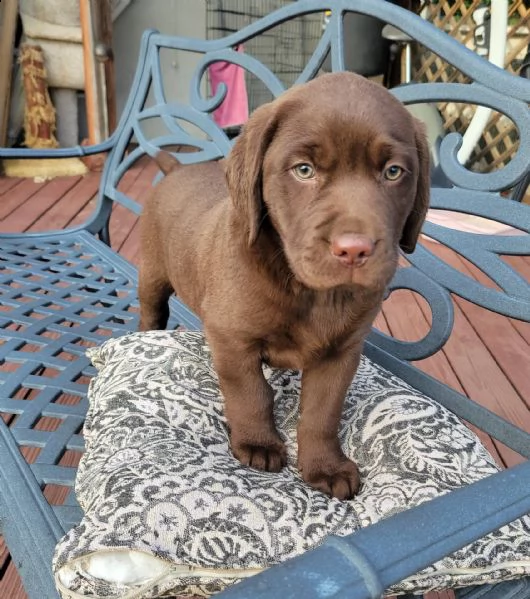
(251, 250)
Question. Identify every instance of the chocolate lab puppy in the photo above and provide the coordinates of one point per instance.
(285, 252)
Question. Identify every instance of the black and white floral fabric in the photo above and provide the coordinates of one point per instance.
(169, 510)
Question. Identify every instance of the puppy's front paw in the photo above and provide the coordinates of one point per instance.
(337, 478)
(271, 457)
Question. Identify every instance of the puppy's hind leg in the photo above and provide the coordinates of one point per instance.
(154, 291)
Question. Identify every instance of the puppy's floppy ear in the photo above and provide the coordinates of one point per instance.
(414, 222)
(244, 167)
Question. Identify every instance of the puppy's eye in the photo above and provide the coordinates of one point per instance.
(304, 171)
(393, 172)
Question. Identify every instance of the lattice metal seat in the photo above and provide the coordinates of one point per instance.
(65, 291)
(59, 295)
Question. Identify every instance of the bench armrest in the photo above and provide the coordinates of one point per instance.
(73, 152)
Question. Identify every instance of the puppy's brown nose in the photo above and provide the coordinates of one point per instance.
(352, 249)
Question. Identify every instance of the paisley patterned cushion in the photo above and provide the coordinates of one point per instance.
(169, 510)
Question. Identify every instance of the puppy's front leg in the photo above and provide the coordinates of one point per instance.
(320, 458)
(248, 405)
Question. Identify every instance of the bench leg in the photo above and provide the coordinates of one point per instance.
(104, 234)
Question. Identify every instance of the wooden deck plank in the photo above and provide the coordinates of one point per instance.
(381, 324)
(24, 216)
(522, 266)
(18, 196)
(130, 248)
(66, 208)
(7, 183)
(10, 584)
(4, 557)
(507, 347)
(523, 329)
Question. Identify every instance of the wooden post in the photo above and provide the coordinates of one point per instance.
(96, 27)
(8, 22)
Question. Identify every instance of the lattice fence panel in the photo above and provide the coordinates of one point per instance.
(499, 140)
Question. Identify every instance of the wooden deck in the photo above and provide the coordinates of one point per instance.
(487, 356)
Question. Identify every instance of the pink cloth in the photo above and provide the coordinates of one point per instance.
(234, 109)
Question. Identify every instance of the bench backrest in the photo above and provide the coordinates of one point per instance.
(471, 192)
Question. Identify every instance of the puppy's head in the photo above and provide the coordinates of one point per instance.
(342, 170)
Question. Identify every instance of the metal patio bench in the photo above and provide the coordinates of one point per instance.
(64, 290)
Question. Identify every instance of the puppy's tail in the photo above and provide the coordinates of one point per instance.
(166, 161)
